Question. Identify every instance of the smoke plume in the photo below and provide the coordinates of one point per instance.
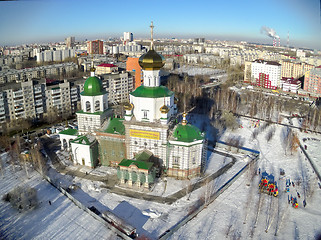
(269, 32)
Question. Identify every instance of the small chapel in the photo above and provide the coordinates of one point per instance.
(147, 142)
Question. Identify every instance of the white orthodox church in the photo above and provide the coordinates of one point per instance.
(147, 134)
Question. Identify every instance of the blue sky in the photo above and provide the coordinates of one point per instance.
(47, 20)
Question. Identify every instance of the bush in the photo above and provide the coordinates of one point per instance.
(22, 198)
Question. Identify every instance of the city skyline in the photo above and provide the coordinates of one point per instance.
(51, 21)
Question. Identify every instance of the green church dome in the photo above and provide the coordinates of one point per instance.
(187, 133)
(93, 87)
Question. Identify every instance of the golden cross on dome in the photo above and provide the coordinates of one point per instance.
(151, 35)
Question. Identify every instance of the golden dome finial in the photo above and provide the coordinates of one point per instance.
(128, 106)
(184, 122)
(92, 69)
(164, 109)
(151, 36)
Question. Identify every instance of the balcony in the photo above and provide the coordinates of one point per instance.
(37, 91)
(55, 103)
(39, 103)
(56, 97)
(18, 103)
(39, 110)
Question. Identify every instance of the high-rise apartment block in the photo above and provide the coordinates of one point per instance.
(266, 74)
(292, 68)
(128, 37)
(312, 81)
(70, 42)
(38, 98)
(95, 47)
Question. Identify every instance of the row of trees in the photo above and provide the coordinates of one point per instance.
(220, 102)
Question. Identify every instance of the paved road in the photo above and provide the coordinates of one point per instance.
(110, 181)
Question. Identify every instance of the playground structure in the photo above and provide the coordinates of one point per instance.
(268, 185)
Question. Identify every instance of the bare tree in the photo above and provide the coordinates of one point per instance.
(22, 198)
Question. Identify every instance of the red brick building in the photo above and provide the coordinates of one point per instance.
(133, 65)
(95, 47)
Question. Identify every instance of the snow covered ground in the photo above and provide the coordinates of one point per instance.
(60, 220)
(241, 212)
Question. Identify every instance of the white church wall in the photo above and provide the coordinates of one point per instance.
(81, 154)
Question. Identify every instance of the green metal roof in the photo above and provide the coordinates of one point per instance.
(187, 133)
(69, 131)
(139, 164)
(143, 156)
(81, 140)
(116, 126)
(93, 87)
(152, 92)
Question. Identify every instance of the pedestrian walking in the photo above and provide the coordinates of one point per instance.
(304, 203)
(49, 202)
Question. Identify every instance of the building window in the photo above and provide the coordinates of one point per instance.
(97, 106)
(176, 160)
(155, 145)
(135, 142)
(194, 160)
(145, 114)
(87, 106)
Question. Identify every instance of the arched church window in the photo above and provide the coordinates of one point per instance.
(88, 106)
(97, 106)
(149, 78)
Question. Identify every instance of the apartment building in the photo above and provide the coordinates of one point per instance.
(132, 64)
(290, 85)
(12, 75)
(312, 81)
(55, 55)
(292, 68)
(118, 85)
(266, 74)
(36, 99)
(95, 47)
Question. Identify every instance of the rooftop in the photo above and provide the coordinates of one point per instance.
(85, 140)
(152, 92)
(69, 131)
(139, 164)
(106, 65)
(187, 133)
(116, 126)
(267, 62)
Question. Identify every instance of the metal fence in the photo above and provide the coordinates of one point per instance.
(190, 216)
(311, 162)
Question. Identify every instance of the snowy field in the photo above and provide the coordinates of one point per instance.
(241, 212)
(60, 220)
(152, 219)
